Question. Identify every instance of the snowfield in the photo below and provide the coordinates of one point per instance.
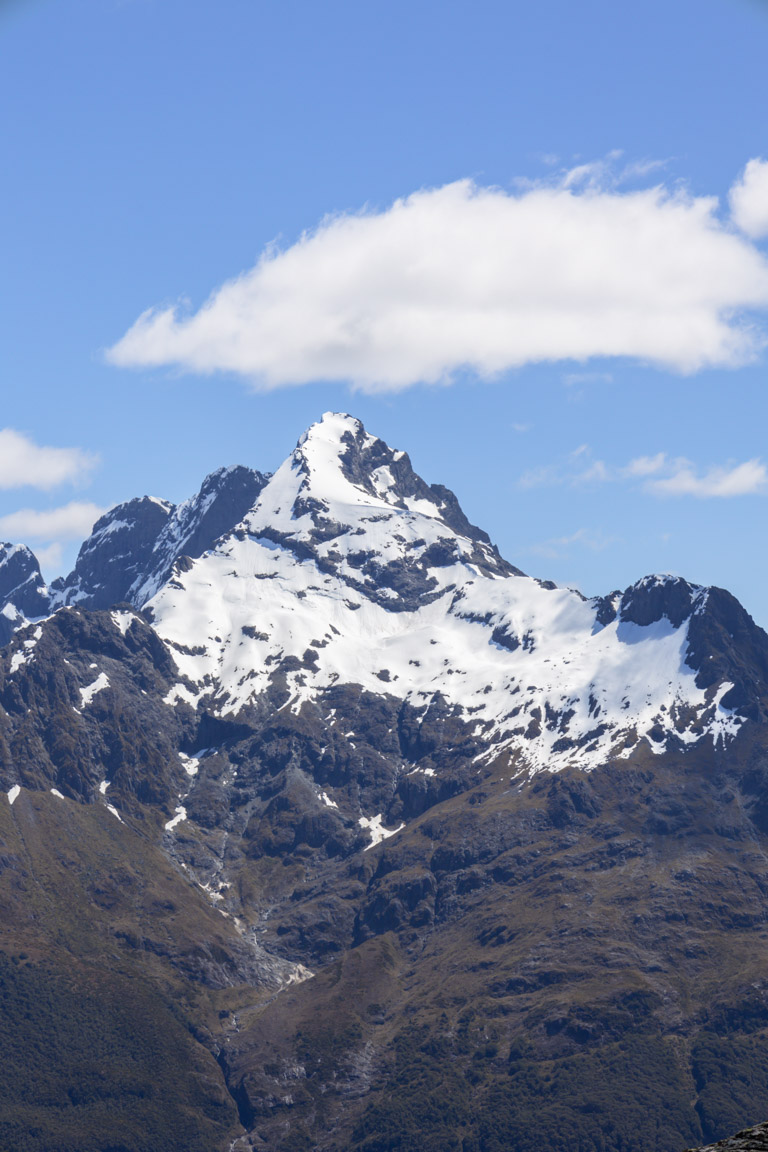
(331, 579)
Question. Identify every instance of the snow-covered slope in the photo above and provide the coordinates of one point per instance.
(349, 569)
(133, 547)
(346, 568)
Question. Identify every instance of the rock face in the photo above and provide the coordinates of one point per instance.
(404, 849)
(750, 1140)
(22, 589)
(133, 548)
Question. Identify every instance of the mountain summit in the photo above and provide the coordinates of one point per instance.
(401, 847)
(346, 567)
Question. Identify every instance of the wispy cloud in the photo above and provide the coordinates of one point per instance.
(559, 546)
(26, 464)
(481, 279)
(55, 528)
(609, 172)
(596, 473)
(646, 465)
(546, 476)
(683, 479)
(579, 467)
(659, 475)
(70, 522)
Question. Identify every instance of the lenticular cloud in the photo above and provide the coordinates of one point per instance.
(469, 278)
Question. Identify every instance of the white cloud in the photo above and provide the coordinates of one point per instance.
(73, 521)
(597, 472)
(749, 200)
(679, 477)
(595, 174)
(646, 465)
(26, 464)
(660, 475)
(50, 557)
(463, 277)
(745, 479)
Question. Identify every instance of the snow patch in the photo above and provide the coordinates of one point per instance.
(122, 620)
(25, 652)
(376, 831)
(99, 684)
(112, 527)
(180, 694)
(190, 764)
(13, 793)
(297, 975)
(181, 814)
(725, 723)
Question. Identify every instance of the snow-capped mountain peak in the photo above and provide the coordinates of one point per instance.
(350, 569)
(337, 467)
(356, 506)
(346, 568)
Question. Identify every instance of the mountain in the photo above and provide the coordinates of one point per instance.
(402, 847)
(133, 548)
(22, 590)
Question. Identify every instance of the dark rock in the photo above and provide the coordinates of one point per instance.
(656, 597)
(22, 588)
(134, 547)
(118, 552)
(748, 1140)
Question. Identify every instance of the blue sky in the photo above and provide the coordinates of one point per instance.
(153, 150)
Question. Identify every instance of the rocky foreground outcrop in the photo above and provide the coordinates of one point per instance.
(750, 1140)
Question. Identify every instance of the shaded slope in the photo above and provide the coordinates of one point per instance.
(575, 961)
(107, 969)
